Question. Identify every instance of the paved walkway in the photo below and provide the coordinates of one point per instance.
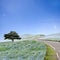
(56, 46)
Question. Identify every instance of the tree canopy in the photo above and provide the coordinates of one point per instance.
(12, 35)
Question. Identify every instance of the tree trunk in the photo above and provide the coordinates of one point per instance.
(12, 40)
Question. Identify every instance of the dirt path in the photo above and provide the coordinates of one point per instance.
(56, 46)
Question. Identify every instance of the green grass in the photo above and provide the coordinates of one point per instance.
(50, 54)
(24, 50)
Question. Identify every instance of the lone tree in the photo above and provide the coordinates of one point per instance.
(12, 35)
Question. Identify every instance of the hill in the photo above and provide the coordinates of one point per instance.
(55, 36)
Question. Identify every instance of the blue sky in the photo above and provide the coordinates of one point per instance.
(30, 16)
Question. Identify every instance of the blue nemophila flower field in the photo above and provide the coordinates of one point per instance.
(23, 50)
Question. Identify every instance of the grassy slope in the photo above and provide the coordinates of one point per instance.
(50, 54)
(26, 50)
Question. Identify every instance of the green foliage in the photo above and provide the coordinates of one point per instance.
(12, 35)
(3, 49)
